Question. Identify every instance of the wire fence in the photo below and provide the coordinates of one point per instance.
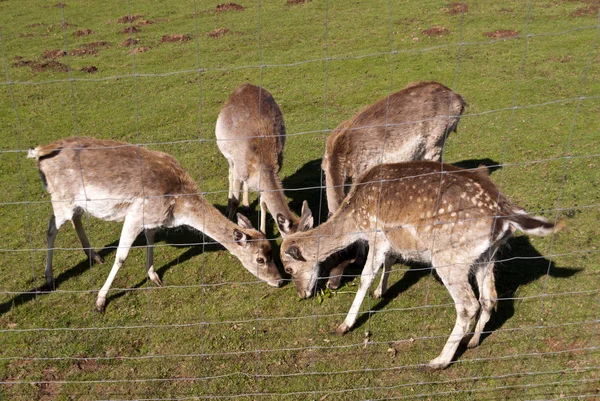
(213, 331)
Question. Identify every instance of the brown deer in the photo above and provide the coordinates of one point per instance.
(411, 124)
(420, 211)
(147, 190)
(251, 134)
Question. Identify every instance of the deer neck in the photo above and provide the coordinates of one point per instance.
(196, 212)
(336, 234)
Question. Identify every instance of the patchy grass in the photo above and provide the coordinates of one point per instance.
(212, 330)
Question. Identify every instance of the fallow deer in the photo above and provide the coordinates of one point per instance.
(251, 135)
(411, 124)
(420, 211)
(147, 190)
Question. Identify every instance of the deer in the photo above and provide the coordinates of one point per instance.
(426, 212)
(411, 124)
(250, 134)
(147, 190)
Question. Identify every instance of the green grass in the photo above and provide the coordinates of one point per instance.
(322, 62)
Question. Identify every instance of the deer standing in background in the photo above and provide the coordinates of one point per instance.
(146, 189)
(420, 211)
(411, 124)
(251, 134)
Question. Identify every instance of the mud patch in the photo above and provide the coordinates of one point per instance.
(142, 49)
(217, 33)
(46, 389)
(51, 65)
(294, 2)
(83, 51)
(131, 29)
(456, 8)
(586, 11)
(436, 31)
(83, 32)
(90, 69)
(54, 54)
(129, 42)
(501, 33)
(175, 38)
(129, 18)
(229, 7)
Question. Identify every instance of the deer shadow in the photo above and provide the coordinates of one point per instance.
(520, 264)
(177, 237)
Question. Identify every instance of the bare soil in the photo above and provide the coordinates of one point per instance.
(506, 10)
(229, 7)
(217, 33)
(84, 51)
(54, 54)
(60, 5)
(95, 45)
(436, 31)
(90, 69)
(501, 33)
(175, 37)
(129, 18)
(142, 49)
(586, 11)
(293, 2)
(83, 32)
(455, 8)
(51, 65)
(129, 42)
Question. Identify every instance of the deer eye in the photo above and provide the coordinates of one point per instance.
(260, 261)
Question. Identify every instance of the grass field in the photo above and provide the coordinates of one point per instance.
(530, 72)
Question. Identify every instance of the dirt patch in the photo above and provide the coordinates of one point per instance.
(83, 32)
(60, 5)
(131, 29)
(142, 49)
(506, 10)
(176, 37)
(145, 22)
(436, 31)
(26, 35)
(586, 11)
(217, 33)
(501, 33)
(83, 51)
(47, 390)
(35, 25)
(293, 2)
(90, 69)
(54, 54)
(129, 42)
(456, 8)
(49, 66)
(88, 365)
(129, 18)
(229, 7)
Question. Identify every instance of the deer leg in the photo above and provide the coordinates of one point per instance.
(245, 202)
(50, 237)
(456, 279)
(150, 233)
(234, 200)
(374, 262)
(85, 242)
(263, 215)
(131, 228)
(383, 283)
(487, 300)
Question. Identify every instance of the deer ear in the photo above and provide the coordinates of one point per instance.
(243, 221)
(284, 225)
(306, 219)
(240, 238)
(295, 253)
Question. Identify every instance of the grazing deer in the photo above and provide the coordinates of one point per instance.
(420, 211)
(411, 124)
(251, 135)
(146, 189)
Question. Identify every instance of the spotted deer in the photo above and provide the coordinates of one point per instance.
(145, 189)
(421, 211)
(251, 135)
(411, 124)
